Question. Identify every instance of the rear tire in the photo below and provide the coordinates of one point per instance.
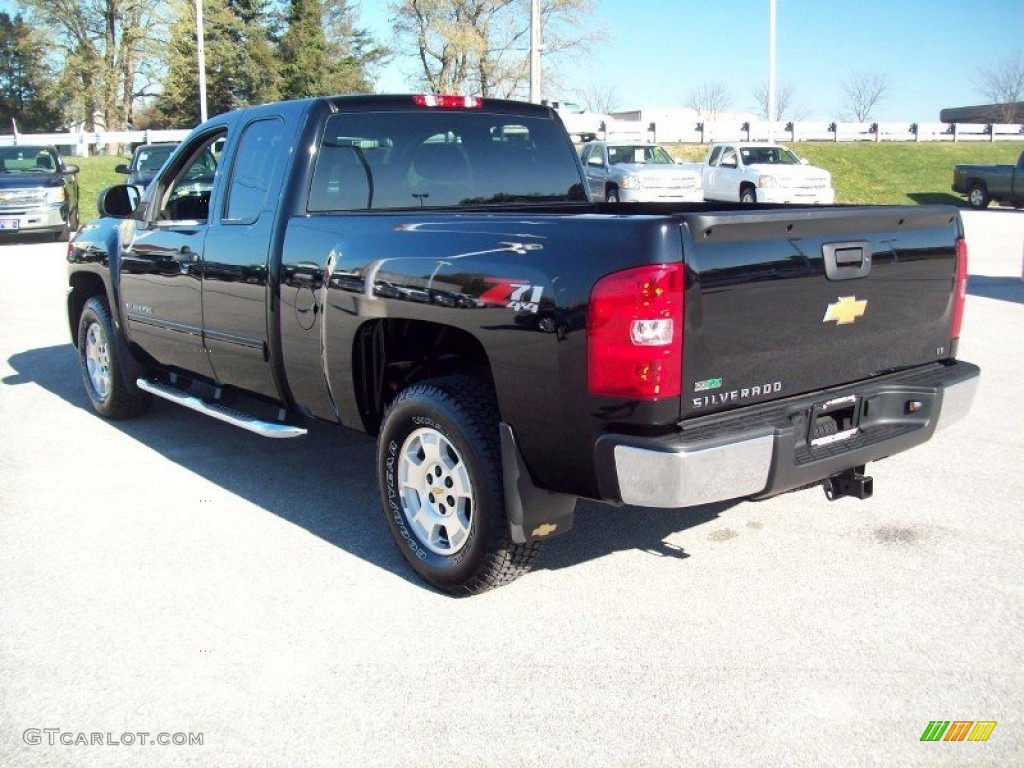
(111, 392)
(977, 195)
(440, 481)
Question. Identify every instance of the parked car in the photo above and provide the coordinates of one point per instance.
(763, 173)
(38, 192)
(635, 172)
(146, 160)
(984, 183)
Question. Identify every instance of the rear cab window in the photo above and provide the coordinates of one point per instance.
(399, 160)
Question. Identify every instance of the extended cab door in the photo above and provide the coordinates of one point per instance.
(161, 262)
(709, 173)
(1017, 192)
(235, 268)
(595, 165)
(728, 175)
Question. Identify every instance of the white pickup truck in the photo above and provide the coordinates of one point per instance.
(763, 173)
(581, 125)
(632, 172)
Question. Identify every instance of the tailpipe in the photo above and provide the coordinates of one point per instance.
(852, 482)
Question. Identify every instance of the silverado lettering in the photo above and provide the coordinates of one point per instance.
(736, 394)
(433, 273)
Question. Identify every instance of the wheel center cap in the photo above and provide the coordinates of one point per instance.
(437, 491)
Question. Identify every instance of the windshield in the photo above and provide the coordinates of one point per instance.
(638, 153)
(152, 158)
(27, 160)
(768, 156)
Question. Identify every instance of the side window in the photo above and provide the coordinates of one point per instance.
(187, 196)
(255, 167)
(716, 153)
(587, 150)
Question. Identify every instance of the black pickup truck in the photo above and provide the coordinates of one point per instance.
(429, 270)
(38, 192)
(984, 183)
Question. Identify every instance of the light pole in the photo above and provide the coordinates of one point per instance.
(771, 70)
(201, 55)
(535, 47)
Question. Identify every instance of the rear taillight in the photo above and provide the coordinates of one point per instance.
(959, 288)
(447, 102)
(635, 333)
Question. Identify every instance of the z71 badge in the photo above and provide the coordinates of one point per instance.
(516, 295)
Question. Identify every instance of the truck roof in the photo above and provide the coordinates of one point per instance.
(399, 102)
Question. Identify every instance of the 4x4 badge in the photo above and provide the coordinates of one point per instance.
(845, 310)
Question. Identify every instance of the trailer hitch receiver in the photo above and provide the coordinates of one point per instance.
(852, 482)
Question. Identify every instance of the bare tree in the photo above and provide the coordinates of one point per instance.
(863, 92)
(786, 106)
(599, 97)
(482, 46)
(709, 99)
(1002, 83)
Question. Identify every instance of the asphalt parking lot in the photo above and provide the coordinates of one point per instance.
(174, 575)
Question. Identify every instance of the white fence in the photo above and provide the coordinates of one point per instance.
(704, 132)
(76, 144)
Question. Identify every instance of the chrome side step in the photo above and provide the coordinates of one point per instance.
(220, 412)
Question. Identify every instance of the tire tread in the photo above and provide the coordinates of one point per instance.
(126, 400)
(505, 561)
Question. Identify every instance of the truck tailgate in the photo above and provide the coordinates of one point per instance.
(784, 302)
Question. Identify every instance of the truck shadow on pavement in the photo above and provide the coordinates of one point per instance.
(937, 198)
(1009, 289)
(325, 482)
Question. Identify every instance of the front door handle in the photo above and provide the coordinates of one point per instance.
(186, 255)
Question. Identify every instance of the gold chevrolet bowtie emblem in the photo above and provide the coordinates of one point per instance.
(845, 310)
(544, 530)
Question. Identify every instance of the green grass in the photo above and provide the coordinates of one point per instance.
(890, 172)
(97, 173)
(862, 172)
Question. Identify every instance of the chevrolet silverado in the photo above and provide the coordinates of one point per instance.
(430, 270)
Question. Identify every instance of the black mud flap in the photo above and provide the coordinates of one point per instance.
(533, 513)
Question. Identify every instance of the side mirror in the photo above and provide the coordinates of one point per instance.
(804, 161)
(70, 168)
(595, 161)
(122, 168)
(119, 201)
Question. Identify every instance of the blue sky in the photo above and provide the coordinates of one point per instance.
(660, 49)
